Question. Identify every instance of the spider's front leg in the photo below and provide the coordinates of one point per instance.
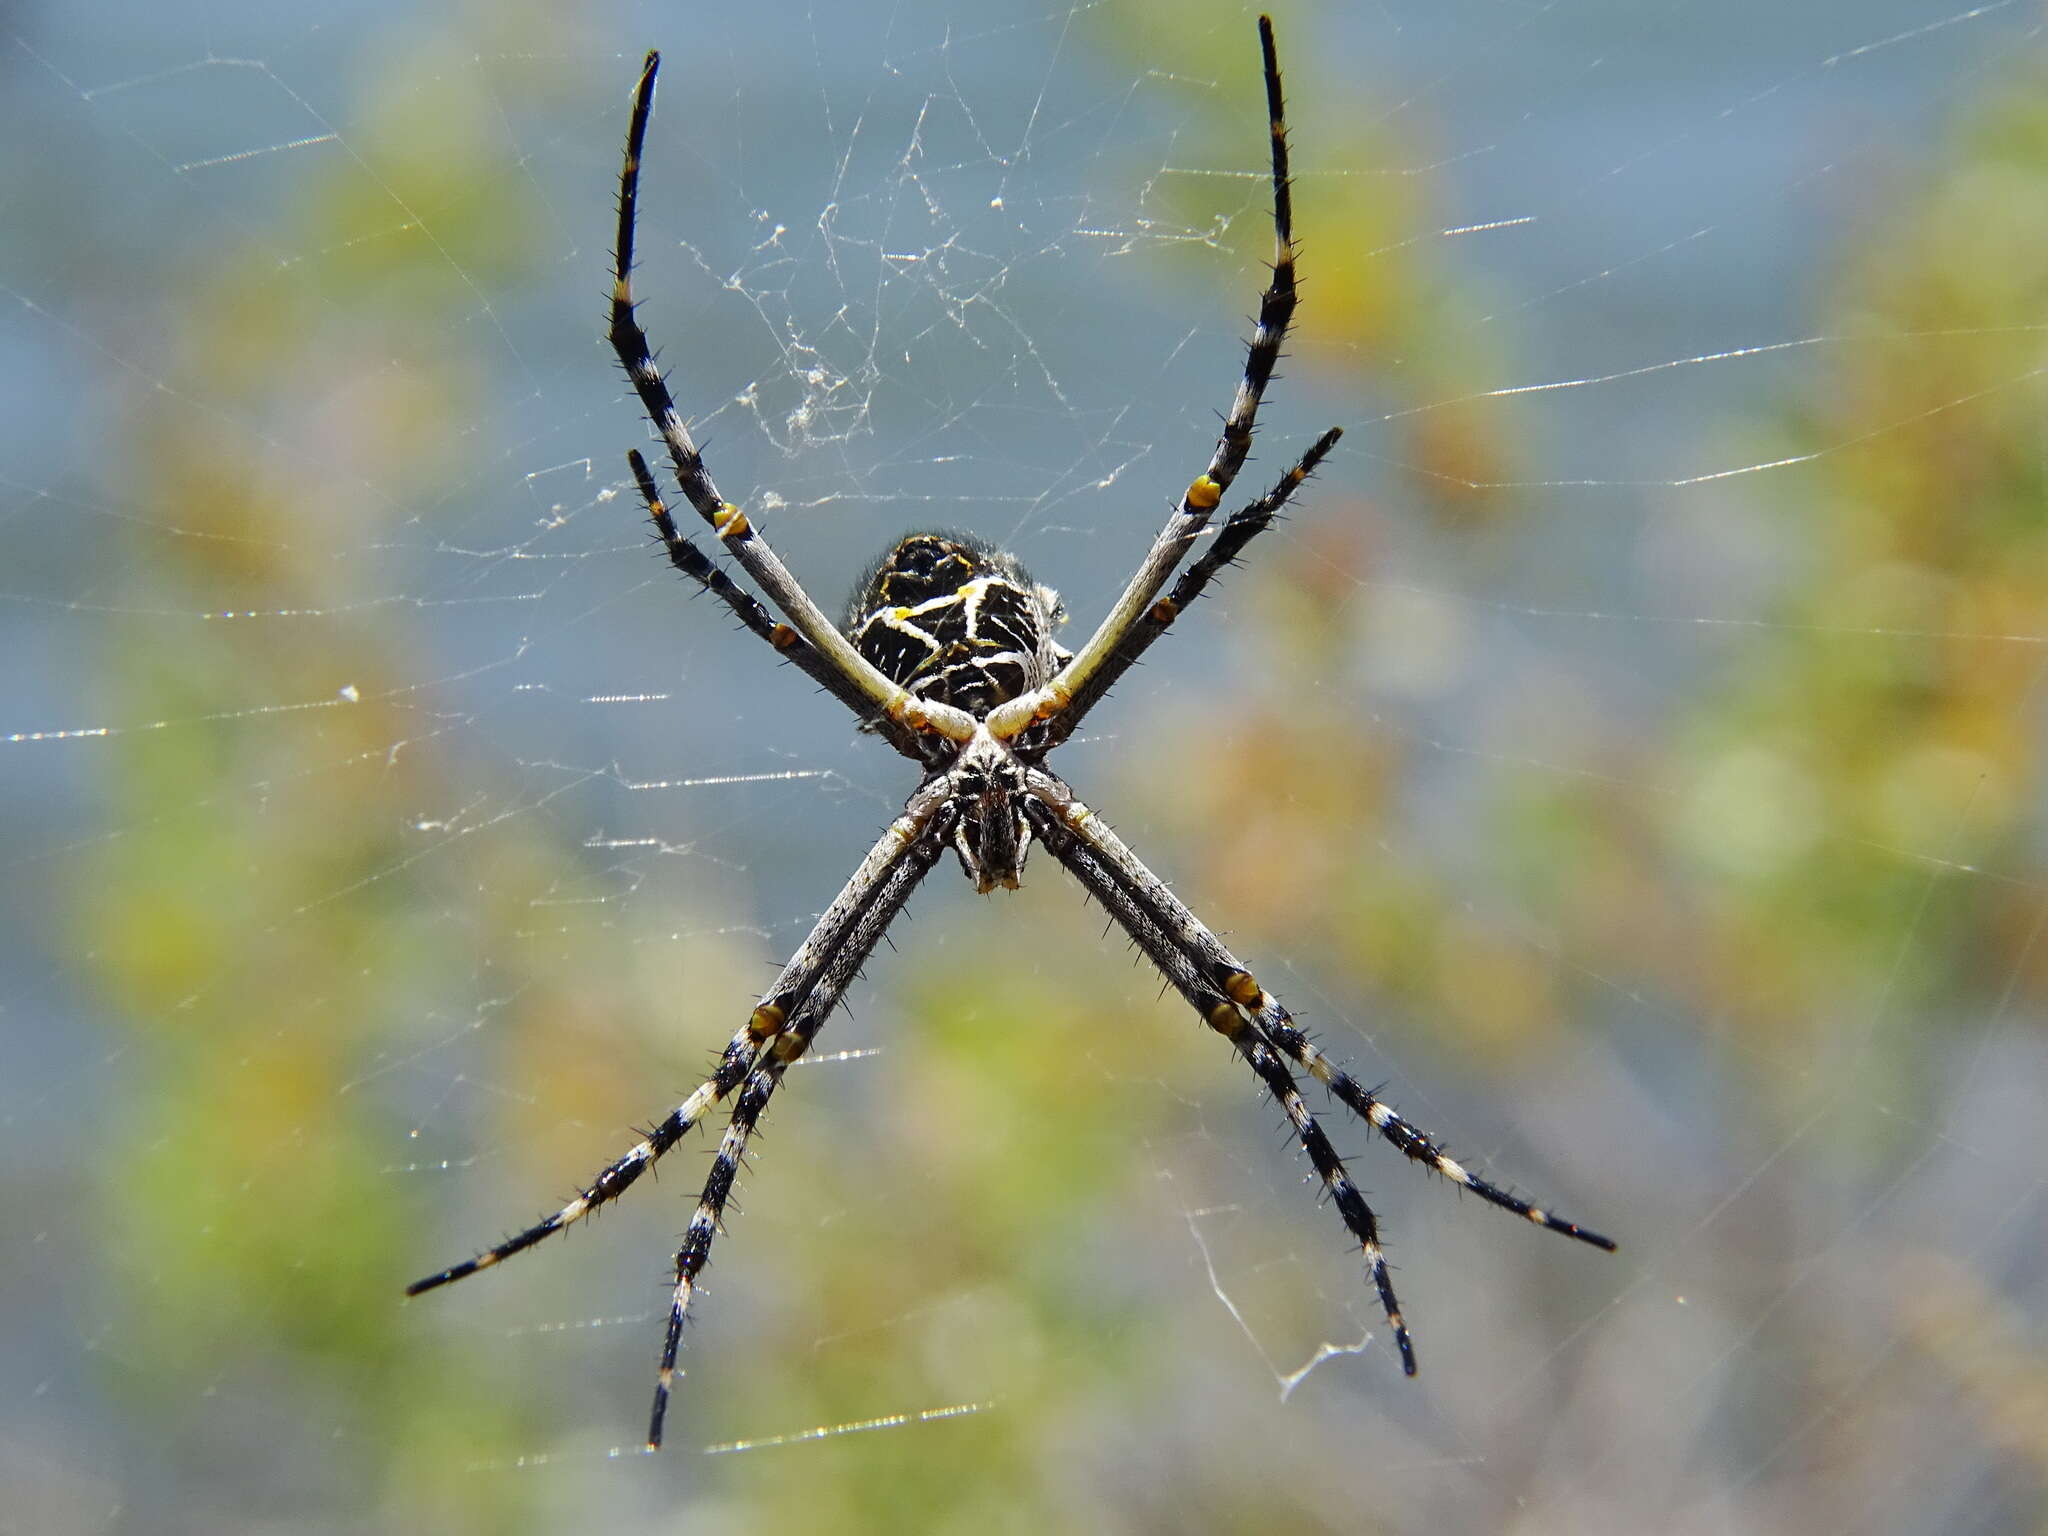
(1085, 863)
(867, 894)
(850, 953)
(1232, 1002)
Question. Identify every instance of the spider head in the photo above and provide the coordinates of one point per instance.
(991, 836)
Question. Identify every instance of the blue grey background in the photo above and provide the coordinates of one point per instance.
(972, 266)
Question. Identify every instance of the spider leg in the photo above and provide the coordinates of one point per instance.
(842, 923)
(700, 568)
(1087, 865)
(735, 532)
(1276, 313)
(1416, 1144)
(1245, 524)
(773, 1061)
(740, 1055)
(1232, 1002)
(1225, 973)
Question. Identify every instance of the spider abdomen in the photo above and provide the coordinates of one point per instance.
(953, 620)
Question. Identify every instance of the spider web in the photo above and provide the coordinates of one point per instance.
(1628, 750)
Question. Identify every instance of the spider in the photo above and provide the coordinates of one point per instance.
(947, 653)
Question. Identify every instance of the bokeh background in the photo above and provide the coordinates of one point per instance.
(1629, 751)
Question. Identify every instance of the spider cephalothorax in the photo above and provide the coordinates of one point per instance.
(948, 655)
(987, 784)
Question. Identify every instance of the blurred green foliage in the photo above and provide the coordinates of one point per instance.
(1884, 706)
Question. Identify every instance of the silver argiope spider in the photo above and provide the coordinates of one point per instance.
(948, 654)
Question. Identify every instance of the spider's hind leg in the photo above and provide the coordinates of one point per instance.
(1191, 514)
(735, 532)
